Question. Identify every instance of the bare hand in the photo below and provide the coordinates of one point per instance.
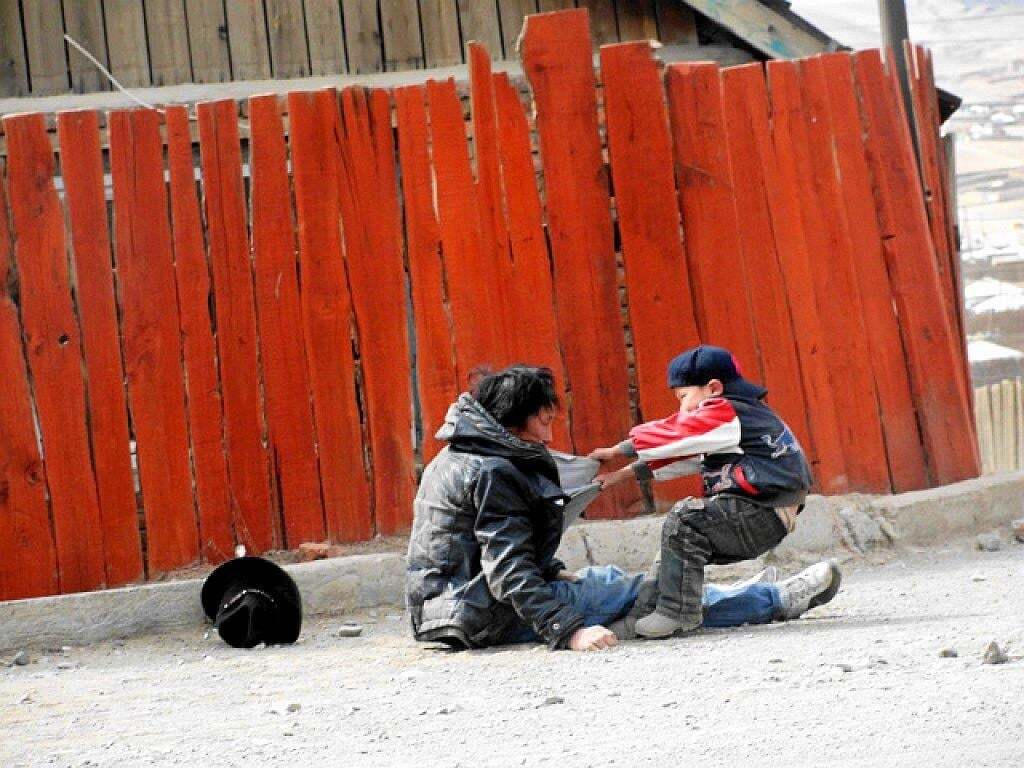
(595, 638)
(566, 576)
(604, 454)
(608, 479)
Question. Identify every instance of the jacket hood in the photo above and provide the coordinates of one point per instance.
(469, 428)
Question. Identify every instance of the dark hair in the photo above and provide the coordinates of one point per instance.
(516, 393)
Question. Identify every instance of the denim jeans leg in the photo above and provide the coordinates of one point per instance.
(752, 604)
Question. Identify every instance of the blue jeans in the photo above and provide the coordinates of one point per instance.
(606, 593)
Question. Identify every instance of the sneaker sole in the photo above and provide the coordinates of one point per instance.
(833, 588)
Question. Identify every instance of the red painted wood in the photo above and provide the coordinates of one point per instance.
(151, 338)
(436, 380)
(556, 55)
(472, 271)
(747, 138)
(904, 450)
(54, 351)
(373, 257)
(291, 436)
(781, 190)
(801, 90)
(661, 311)
(927, 332)
(227, 233)
(28, 560)
(532, 301)
(709, 212)
(205, 408)
(82, 170)
(327, 314)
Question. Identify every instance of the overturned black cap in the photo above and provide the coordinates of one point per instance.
(251, 601)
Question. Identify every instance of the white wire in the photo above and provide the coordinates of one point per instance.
(104, 70)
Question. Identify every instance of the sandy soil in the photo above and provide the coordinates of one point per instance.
(856, 682)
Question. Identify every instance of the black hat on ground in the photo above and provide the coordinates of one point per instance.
(251, 601)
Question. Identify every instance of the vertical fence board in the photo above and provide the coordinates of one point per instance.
(327, 44)
(224, 199)
(746, 121)
(82, 170)
(513, 12)
(442, 45)
(28, 561)
(150, 338)
(13, 67)
(291, 438)
(168, 41)
(636, 20)
(471, 270)
(362, 36)
(640, 146)
(44, 43)
(677, 23)
(709, 211)
(604, 27)
(83, 21)
(126, 42)
(983, 422)
(403, 48)
(250, 51)
(289, 54)
(208, 41)
(205, 408)
(536, 337)
(436, 380)
(935, 371)
(327, 315)
(899, 420)
(557, 61)
(478, 20)
(781, 185)
(54, 352)
(804, 90)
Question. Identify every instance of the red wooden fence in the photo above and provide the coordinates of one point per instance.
(276, 351)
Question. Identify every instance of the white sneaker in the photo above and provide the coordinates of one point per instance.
(769, 575)
(808, 589)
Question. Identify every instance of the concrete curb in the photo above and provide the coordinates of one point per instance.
(829, 525)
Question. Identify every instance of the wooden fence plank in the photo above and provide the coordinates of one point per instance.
(208, 41)
(547, 6)
(472, 272)
(677, 24)
(82, 170)
(636, 20)
(557, 61)
(205, 408)
(604, 27)
(54, 352)
(513, 12)
(747, 128)
(291, 438)
(289, 54)
(905, 453)
(13, 68)
(83, 21)
(479, 22)
(436, 381)
(983, 421)
(362, 37)
(168, 41)
(403, 48)
(781, 188)
(327, 43)
(44, 43)
(640, 146)
(709, 211)
(126, 42)
(224, 198)
(327, 315)
(151, 338)
(832, 265)
(28, 561)
(441, 42)
(250, 51)
(373, 257)
(928, 337)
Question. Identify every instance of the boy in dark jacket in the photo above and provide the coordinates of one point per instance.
(755, 478)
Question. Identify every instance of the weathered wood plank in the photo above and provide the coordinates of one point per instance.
(403, 48)
(604, 27)
(126, 42)
(441, 42)
(983, 423)
(82, 170)
(327, 44)
(289, 54)
(13, 69)
(44, 29)
(53, 348)
(513, 12)
(478, 20)
(151, 338)
(168, 42)
(28, 560)
(83, 21)
(208, 41)
(677, 24)
(250, 51)
(637, 20)
(363, 37)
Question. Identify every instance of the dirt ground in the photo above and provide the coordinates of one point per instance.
(859, 681)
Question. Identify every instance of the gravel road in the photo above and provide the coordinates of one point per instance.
(859, 681)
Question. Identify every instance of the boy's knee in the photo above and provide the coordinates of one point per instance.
(680, 516)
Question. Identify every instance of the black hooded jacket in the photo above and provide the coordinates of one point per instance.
(487, 522)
